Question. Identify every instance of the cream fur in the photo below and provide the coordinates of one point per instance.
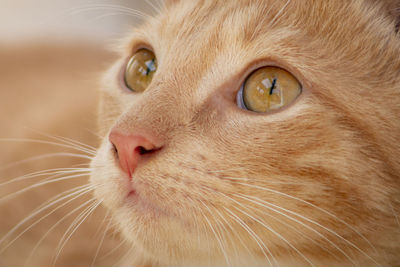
(325, 170)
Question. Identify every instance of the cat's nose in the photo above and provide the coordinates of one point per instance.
(130, 149)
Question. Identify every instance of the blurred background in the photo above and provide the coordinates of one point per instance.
(49, 49)
(27, 20)
(52, 55)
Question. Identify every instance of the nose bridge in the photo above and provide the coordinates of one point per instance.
(171, 99)
(158, 110)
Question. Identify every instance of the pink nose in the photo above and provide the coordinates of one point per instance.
(130, 149)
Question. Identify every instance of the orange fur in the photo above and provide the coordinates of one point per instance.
(314, 183)
(317, 182)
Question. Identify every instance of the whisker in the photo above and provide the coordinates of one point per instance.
(294, 230)
(316, 207)
(87, 165)
(256, 238)
(233, 232)
(95, 7)
(279, 13)
(50, 155)
(114, 249)
(156, 9)
(217, 237)
(102, 238)
(305, 218)
(221, 231)
(45, 182)
(65, 140)
(82, 191)
(234, 179)
(267, 227)
(46, 143)
(196, 223)
(93, 133)
(74, 226)
(203, 225)
(108, 15)
(121, 8)
(55, 172)
(161, 5)
(55, 225)
(123, 258)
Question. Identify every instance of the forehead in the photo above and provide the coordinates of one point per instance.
(198, 37)
(203, 29)
(243, 21)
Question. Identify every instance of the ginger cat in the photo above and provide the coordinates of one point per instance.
(254, 133)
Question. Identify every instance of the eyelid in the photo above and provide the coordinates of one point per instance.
(239, 98)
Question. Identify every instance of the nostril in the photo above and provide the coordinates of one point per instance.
(115, 150)
(143, 151)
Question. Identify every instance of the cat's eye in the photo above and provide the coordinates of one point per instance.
(268, 89)
(140, 70)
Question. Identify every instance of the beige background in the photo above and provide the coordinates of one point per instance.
(52, 55)
(22, 20)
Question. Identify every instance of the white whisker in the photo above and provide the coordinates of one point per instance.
(156, 9)
(74, 226)
(7, 197)
(268, 228)
(161, 5)
(65, 140)
(260, 202)
(114, 249)
(54, 226)
(217, 237)
(55, 172)
(108, 15)
(287, 225)
(256, 238)
(45, 156)
(277, 16)
(47, 143)
(107, 7)
(80, 192)
(123, 258)
(237, 236)
(102, 238)
(316, 207)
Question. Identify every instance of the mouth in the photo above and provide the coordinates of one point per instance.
(132, 193)
(137, 201)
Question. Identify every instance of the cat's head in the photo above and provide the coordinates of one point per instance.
(256, 130)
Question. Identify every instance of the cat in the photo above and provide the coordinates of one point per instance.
(198, 166)
(255, 133)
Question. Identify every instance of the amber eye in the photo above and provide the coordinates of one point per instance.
(140, 70)
(267, 89)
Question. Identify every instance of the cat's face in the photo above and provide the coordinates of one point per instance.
(308, 182)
